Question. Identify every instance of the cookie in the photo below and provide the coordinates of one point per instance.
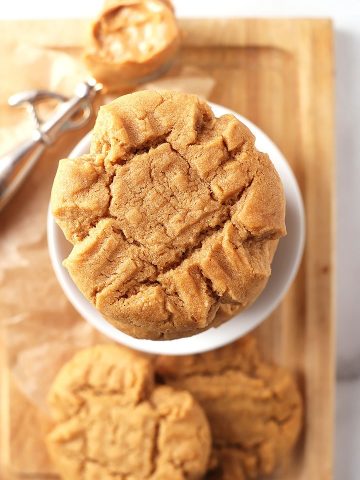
(172, 214)
(254, 408)
(112, 422)
(130, 41)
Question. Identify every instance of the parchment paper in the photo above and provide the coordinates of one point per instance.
(40, 329)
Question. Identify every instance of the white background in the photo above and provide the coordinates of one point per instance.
(346, 15)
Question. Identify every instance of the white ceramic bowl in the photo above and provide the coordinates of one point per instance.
(284, 267)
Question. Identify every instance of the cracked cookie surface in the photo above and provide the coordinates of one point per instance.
(254, 408)
(173, 213)
(111, 422)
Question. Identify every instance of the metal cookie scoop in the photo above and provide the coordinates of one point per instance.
(16, 164)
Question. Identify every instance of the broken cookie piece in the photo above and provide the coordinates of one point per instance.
(173, 214)
(112, 422)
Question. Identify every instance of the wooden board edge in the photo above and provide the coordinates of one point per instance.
(4, 406)
(320, 283)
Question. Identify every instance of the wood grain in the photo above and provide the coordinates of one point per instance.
(279, 74)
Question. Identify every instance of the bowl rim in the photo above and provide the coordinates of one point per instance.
(197, 343)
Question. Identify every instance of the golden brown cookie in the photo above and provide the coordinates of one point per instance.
(172, 214)
(254, 409)
(131, 40)
(112, 422)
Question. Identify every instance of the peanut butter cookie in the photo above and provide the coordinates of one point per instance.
(112, 422)
(254, 409)
(173, 213)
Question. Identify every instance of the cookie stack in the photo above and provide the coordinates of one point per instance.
(222, 415)
(173, 215)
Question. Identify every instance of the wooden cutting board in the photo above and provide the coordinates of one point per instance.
(279, 74)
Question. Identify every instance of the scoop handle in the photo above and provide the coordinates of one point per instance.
(16, 164)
